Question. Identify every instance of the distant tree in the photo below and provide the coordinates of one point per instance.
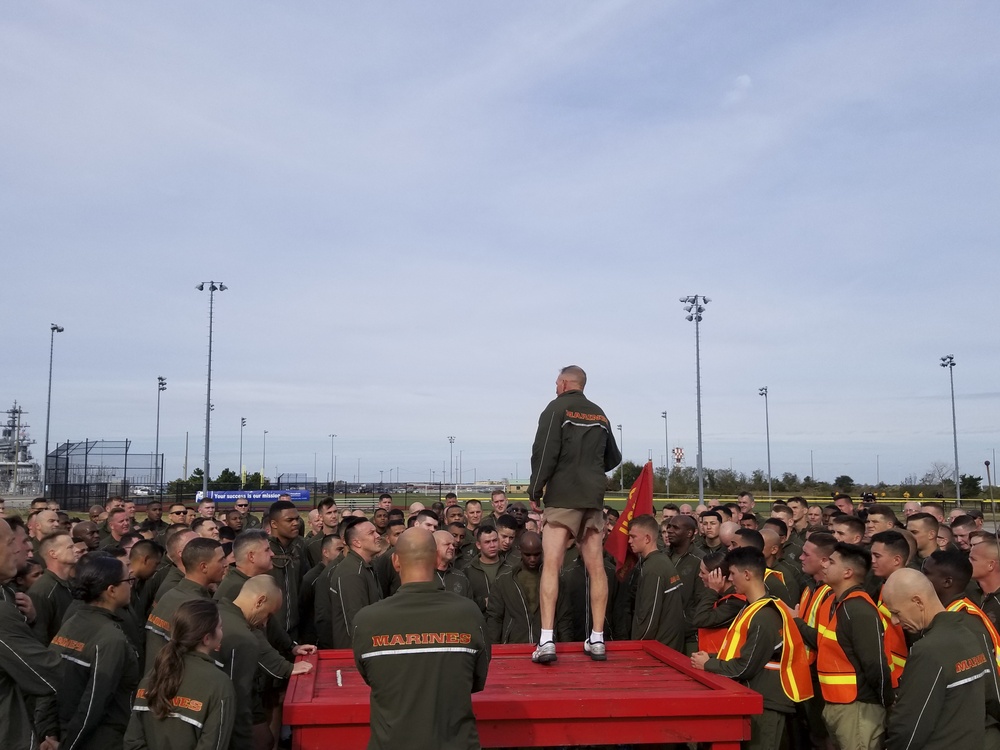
(631, 471)
(790, 482)
(724, 482)
(758, 480)
(844, 483)
(227, 480)
(971, 486)
(253, 482)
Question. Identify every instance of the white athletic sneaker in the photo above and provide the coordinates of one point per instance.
(596, 650)
(545, 653)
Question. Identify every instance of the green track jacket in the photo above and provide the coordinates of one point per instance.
(573, 449)
(423, 652)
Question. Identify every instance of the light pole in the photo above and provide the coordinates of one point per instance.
(213, 287)
(767, 429)
(54, 329)
(161, 386)
(333, 463)
(621, 449)
(949, 362)
(666, 441)
(451, 459)
(243, 423)
(694, 306)
(263, 461)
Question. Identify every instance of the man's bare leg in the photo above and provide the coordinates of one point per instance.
(553, 550)
(591, 548)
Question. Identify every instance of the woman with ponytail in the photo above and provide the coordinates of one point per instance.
(185, 702)
(99, 668)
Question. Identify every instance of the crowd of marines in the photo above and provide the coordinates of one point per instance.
(859, 628)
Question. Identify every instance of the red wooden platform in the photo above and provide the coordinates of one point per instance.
(644, 693)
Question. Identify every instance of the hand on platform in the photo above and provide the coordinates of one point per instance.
(304, 650)
(301, 667)
(716, 581)
(698, 659)
(23, 602)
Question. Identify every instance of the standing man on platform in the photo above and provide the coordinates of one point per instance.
(439, 714)
(573, 449)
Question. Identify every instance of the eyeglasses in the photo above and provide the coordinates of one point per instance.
(242, 505)
(177, 513)
(130, 580)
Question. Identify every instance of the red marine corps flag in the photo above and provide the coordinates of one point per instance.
(639, 503)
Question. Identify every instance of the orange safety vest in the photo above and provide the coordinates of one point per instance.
(768, 572)
(965, 605)
(710, 639)
(896, 649)
(837, 678)
(810, 607)
(796, 680)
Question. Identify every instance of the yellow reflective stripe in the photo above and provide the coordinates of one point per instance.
(789, 655)
(838, 679)
(732, 642)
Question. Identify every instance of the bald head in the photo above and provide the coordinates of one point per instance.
(684, 522)
(574, 376)
(911, 599)
(415, 555)
(262, 585)
(727, 532)
(772, 542)
(259, 598)
(83, 530)
(531, 543)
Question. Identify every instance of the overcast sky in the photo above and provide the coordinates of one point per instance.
(424, 210)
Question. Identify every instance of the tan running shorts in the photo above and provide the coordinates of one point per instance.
(576, 520)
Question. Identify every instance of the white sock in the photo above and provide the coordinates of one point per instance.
(596, 637)
(546, 637)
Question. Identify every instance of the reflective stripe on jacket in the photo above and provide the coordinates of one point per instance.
(965, 605)
(710, 639)
(792, 662)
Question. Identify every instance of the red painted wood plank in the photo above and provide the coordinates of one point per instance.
(643, 693)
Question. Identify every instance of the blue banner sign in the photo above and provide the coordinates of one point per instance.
(256, 496)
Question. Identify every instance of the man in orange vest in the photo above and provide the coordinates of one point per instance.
(950, 572)
(890, 550)
(762, 650)
(853, 672)
(816, 553)
(950, 683)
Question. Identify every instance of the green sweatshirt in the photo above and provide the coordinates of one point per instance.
(161, 618)
(27, 668)
(573, 448)
(202, 716)
(351, 586)
(659, 603)
(949, 680)
(100, 670)
(423, 652)
(511, 617)
(51, 596)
